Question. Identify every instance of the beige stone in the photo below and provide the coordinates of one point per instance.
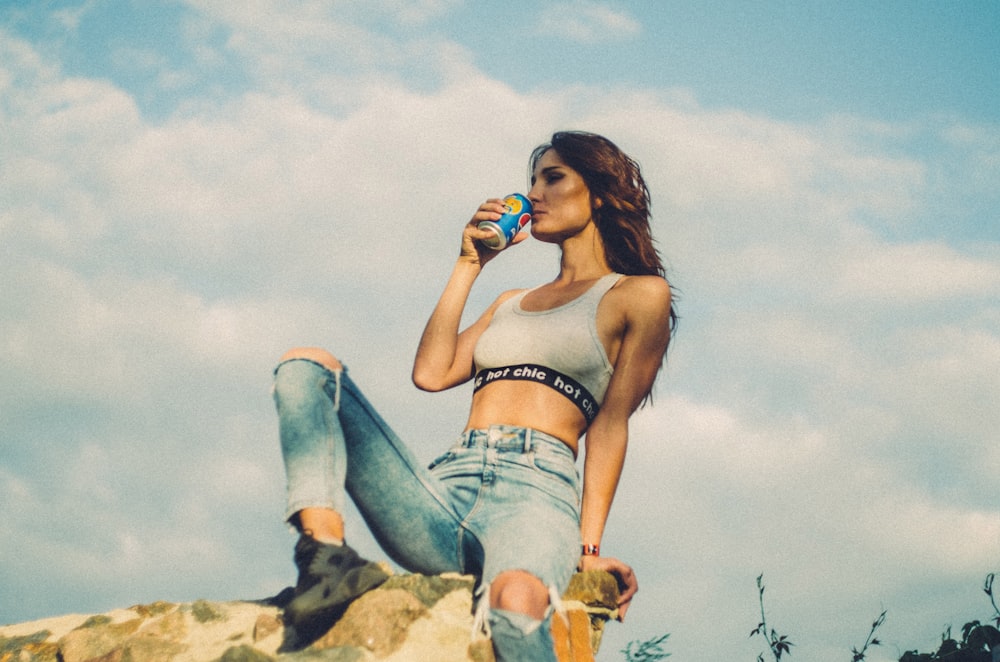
(409, 618)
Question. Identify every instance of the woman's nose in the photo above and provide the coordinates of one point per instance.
(533, 194)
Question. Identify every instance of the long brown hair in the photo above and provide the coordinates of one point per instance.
(619, 201)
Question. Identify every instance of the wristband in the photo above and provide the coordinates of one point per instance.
(591, 550)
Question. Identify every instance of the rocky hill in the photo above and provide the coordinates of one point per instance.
(410, 618)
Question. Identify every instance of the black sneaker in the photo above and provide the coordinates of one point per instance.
(330, 578)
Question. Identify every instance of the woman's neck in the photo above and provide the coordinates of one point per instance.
(583, 257)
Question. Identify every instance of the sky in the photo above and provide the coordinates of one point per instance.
(189, 188)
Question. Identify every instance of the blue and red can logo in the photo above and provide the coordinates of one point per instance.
(507, 226)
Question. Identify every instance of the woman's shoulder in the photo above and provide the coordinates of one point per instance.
(650, 289)
(509, 294)
(643, 300)
(503, 298)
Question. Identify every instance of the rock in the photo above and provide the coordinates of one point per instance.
(595, 594)
(29, 648)
(410, 617)
(377, 621)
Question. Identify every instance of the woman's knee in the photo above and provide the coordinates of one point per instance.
(520, 591)
(315, 354)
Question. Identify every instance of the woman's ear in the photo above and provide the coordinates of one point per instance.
(598, 203)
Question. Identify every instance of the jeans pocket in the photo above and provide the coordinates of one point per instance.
(441, 459)
(556, 464)
(558, 475)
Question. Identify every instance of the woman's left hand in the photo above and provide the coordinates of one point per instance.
(628, 584)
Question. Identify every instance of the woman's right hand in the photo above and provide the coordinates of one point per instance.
(473, 248)
(628, 585)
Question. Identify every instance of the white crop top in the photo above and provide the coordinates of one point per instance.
(563, 339)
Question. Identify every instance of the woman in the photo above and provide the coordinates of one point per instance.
(577, 355)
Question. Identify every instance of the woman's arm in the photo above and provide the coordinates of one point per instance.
(645, 334)
(444, 356)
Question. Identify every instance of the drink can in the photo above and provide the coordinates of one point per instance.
(507, 226)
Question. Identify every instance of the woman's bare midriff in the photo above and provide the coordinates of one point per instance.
(528, 405)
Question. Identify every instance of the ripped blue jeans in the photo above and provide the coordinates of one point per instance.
(502, 498)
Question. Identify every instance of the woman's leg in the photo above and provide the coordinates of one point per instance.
(313, 453)
(520, 618)
(332, 437)
(527, 520)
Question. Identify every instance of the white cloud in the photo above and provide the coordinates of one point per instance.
(816, 512)
(69, 17)
(412, 12)
(916, 273)
(586, 22)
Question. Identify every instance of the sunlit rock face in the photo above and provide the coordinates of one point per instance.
(410, 618)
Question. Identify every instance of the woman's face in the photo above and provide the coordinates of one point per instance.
(560, 200)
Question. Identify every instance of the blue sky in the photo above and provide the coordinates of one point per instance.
(189, 188)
